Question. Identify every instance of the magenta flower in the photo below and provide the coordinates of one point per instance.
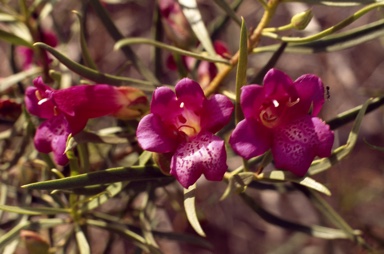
(281, 116)
(68, 110)
(183, 124)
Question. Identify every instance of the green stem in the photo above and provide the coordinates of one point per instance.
(328, 31)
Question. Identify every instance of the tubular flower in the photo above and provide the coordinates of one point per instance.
(281, 116)
(68, 110)
(182, 125)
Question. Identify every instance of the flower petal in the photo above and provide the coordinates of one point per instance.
(205, 154)
(310, 89)
(51, 136)
(252, 96)
(325, 137)
(277, 84)
(190, 92)
(250, 139)
(217, 111)
(88, 101)
(38, 99)
(295, 145)
(164, 102)
(153, 136)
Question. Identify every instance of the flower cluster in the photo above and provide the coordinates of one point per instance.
(67, 111)
(280, 116)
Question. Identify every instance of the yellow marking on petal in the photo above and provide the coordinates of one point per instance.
(38, 95)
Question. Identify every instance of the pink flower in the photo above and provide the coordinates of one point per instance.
(27, 54)
(183, 124)
(281, 116)
(68, 110)
(175, 24)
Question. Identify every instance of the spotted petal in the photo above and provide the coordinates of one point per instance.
(205, 154)
(296, 144)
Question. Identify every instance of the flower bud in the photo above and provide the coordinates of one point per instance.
(134, 102)
(302, 19)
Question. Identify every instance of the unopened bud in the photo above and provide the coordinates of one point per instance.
(302, 19)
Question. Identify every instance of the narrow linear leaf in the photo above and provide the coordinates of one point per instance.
(339, 3)
(283, 176)
(12, 80)
(230, 12)
(93, 75)
(14, 39)
(344, 150)
(241, 72)
(378, 148)
(84, 47)
(138, 240)
(314, 230)
(112, 175)
(190, 209)
(333, 216)
(101, 11)
(238, 183)
(129, 41)
(333, 43)
(82, 242)
(33, 210)
(24, 224)
(4, 17)
(195, 19)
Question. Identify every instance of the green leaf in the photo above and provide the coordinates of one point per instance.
(190, 209)
(111, 175)
(12, 80)
(14, 39)
(94, 75)
(314, 230)
(339, 3)
(130, 41)
(332, 43)
(82, 242)
(24, 224)
(84, 48)
(138, 240)
(283, 176)
(341, 152)
(101, 11)
(333, 216)
(238, 183)
(241, 72)
(33, 210)
(195, 19)
(230, 12)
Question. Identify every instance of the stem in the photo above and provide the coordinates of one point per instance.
(253, 42)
